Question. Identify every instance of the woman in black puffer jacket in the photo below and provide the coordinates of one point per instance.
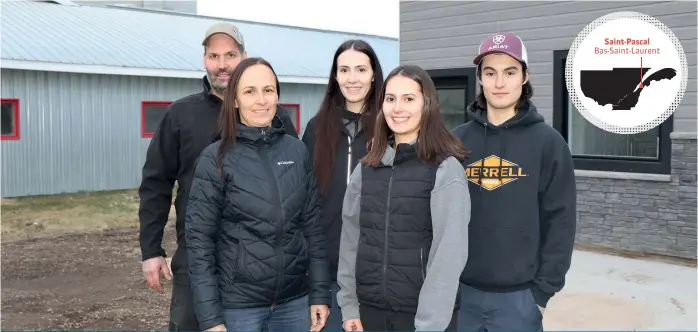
(256, 249)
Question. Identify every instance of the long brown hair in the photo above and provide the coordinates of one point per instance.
(229, 118)
(434, 142)
(328, 121)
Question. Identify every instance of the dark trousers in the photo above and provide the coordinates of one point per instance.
(486, 311)
(293, 316)
(334, 322)
(374, 319)
(182, 315)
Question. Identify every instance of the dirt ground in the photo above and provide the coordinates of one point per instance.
(74, 264)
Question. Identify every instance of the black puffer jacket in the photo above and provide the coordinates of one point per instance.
(254, 240)
(184, 131)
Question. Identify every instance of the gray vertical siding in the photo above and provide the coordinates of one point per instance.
(446, 34)
(82, 132)
(308, 96)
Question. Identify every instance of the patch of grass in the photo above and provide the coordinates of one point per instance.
(37, 216)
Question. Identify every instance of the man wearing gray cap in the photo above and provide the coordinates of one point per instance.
(185, 130)
(522, 194)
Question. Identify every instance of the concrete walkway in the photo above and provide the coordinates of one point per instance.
(614, 293)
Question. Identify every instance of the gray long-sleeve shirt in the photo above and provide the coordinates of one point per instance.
(450, 214)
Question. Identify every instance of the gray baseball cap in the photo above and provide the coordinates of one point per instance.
(226, 28)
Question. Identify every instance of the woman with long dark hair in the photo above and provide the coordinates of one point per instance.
(255, 245)
(405, 214)
(336, 138)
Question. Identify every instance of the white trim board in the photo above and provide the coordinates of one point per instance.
(132, 71)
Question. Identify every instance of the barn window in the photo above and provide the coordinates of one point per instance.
(10, 119)
(151, 115)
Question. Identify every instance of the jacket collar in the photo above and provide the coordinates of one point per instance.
(261, 135)
(404, 152)
(208, 90)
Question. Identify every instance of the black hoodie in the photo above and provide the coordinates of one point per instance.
(523, 196)
(350, 148)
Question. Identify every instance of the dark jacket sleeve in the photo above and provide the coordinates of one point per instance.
(318, 268)
(201, 226)
(158, 178)
(309, 140)
(288, 123)
(558, 200)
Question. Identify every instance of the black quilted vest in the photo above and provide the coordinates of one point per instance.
(396, 232)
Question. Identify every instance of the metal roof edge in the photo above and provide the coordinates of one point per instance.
(175, 13)
(132, 71)
(64, 2)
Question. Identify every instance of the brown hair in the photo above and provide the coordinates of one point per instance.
(328, 121)
(435, 142)
(230, 116)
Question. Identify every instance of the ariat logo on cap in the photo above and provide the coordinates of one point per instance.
(488, 173)
(498, 40)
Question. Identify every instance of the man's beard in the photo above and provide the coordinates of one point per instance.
(212, 80)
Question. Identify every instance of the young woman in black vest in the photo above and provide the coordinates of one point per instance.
(404, 240)
(336, 139)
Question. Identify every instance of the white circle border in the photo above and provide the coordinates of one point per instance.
(573, 92)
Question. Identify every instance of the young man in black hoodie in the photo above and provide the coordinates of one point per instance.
(186, 129)
(523, 197)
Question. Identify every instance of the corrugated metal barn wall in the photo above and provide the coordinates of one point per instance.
(82, 132)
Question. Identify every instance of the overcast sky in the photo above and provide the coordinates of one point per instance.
(375, 17)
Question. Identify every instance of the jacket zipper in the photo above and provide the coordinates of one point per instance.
(421, 261)
(349, 160)
(385, 248)
(279, 223)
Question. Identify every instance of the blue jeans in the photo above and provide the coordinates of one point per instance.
(515, 311)
(334, 322)
(291, 316)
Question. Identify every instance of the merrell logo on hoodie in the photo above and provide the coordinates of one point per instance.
(493, 172)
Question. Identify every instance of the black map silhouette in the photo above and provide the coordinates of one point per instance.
(618, 86)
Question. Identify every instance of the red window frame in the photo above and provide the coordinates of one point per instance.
(145, 104)
(298, 115)
(15, 113)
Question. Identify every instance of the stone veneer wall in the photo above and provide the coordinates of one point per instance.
(643, 213)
